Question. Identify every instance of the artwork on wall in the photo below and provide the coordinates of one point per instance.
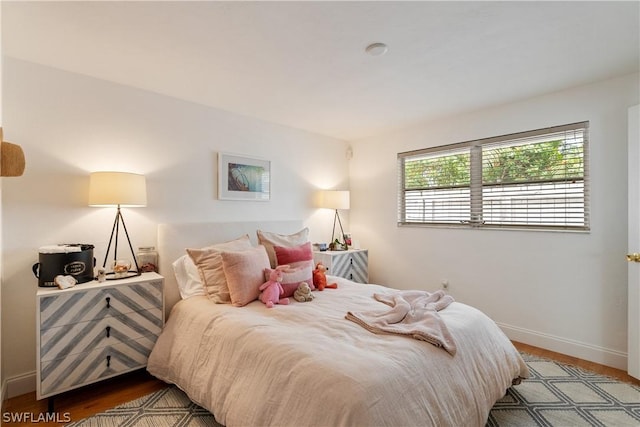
(243, 178)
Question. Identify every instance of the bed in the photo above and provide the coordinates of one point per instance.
(305, 364)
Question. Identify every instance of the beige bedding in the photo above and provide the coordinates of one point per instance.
(304, 364)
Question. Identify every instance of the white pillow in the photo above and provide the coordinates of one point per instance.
(186, 272)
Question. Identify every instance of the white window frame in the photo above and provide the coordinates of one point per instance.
(560, 204)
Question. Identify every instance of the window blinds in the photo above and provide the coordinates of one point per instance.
(535, 179)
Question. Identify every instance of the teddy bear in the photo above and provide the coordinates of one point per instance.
(303, 293)
(272, 289)
(320, 278)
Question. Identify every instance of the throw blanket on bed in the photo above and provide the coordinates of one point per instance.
(412, 313)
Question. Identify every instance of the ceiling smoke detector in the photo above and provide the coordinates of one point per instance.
(377, 49)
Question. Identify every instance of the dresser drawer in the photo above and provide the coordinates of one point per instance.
(62, 341)
(57, 376)
(74, 307)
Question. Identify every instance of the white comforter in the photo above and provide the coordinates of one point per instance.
(304, 364)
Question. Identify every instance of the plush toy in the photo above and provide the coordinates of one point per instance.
(303, 293)
(272, 289)
(320, 278)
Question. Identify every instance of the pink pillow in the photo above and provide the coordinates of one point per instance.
(292, 278)
(293, 254)
(208, 262)
(245, 273)
(296, 257)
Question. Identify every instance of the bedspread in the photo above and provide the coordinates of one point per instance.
(304, 364)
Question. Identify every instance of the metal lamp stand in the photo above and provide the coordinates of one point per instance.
(343, 244)
(115, 230)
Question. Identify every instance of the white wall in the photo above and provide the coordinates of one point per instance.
(70, 125)
(562, 291)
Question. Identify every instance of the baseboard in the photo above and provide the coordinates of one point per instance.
(591, 353)
(22, 384)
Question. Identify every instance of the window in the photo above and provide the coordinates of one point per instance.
(535, 179)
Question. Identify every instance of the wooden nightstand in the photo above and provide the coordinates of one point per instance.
(352, 264)
(95, 331)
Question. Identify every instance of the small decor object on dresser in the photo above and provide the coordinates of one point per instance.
(96, 331)
(64, 259)
(121, 268)
(65, 282)
(148, 259)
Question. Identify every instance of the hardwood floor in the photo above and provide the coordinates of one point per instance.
(590, 366)
(84, 402)
(77, 404)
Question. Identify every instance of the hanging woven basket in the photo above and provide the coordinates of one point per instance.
(11, 158)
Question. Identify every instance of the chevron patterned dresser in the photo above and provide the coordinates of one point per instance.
(95, 331)
(352, 264)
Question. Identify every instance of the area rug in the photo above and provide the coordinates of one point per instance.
(556, 395)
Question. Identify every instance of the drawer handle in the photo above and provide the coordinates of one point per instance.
(351, 261)
(108, 361)
(108, 331)
(108, 302)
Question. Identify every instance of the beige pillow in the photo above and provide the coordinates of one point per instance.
(209, 263)
(245, 273)
(269, 240)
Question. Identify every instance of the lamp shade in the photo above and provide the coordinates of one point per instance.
(334, 199)
(117, 188)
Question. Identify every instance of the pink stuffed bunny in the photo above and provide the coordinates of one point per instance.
(272, 288)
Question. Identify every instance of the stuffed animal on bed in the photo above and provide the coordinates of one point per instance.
(272, 289)
(320, 278)
(303, 293)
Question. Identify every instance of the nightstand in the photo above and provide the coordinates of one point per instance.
(352, 264)
(95, 331)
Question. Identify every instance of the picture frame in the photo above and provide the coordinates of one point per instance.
(243, 178)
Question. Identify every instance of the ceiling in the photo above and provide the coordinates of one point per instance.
(303, 65)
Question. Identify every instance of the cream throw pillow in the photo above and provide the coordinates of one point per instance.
(269, 240)
(208, 260)
(245, 273)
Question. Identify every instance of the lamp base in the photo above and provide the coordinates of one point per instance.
(118, 276)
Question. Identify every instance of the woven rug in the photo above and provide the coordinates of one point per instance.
(556, 395)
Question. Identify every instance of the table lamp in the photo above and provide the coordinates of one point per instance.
(335, 199)
(120, 189)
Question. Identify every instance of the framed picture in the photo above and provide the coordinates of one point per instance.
(243, 178)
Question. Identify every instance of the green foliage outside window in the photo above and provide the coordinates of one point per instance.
(545, 161)
(434, 172)
(542, 161)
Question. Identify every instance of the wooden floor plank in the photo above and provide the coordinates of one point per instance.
(584, 364)
(84, 402)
